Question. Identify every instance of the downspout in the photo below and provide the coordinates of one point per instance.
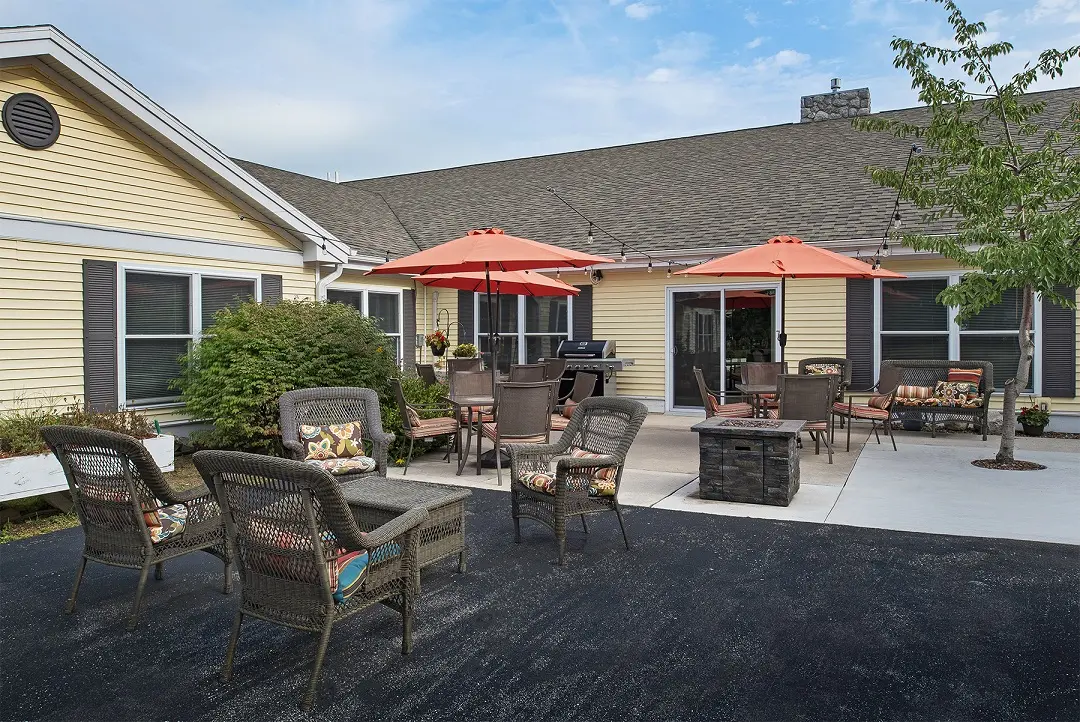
(321, 284)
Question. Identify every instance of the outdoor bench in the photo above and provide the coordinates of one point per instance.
(940, 403)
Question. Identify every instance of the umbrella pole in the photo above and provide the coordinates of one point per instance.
(491, 326)
(782, 337)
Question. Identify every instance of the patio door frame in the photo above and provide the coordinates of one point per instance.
(669, 331)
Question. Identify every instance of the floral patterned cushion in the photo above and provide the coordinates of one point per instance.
(352, 465)
(973, 376)
(603, 480)
(166, 522)
(956, 393)
(333, 441)
(539, 481)
(833, 369)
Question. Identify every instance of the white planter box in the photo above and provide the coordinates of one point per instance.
(22, 476)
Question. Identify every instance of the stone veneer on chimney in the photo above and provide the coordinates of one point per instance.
(829, 106)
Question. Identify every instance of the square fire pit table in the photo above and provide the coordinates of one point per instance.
(748, 460)
(376, 500)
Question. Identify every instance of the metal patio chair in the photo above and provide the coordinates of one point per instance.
(809, 398)
(414, 426)
(522, 415)
(713, 407)
(584, 384)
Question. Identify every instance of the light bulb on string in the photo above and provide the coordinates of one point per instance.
(623, 257)
(896, 220)
(558, 273)
(649, 269)
(885, 248)
(590, 237)
(669, 271)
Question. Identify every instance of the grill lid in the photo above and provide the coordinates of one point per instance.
(31, 121)
(586, 349)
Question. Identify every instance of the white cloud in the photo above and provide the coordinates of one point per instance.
(1067, 11)
(756, 42)
(661, 75)
(875, 11)
(683, 49)
(782, 60)
(751, 17)
(641, 10)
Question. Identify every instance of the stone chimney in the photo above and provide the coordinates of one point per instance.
(837, 104)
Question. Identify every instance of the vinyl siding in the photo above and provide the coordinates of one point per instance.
(629, 308)
(41, 315)
(99, 174)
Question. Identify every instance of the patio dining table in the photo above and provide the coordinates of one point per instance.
(755, 392)
(469, 403)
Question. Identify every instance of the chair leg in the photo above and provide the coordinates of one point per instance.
(828, 446)
(230, 651)
(561, 542)
(138, 594)
(889, 432)
(622, 527)
(849, 434)
(75, 592)
(324, 640)
(517, 530)
(873, 425)
(498, 461)
(407, 607)
(408, 456)
(461, 562)
(227, 588)
(933, 426)
(584, 524)
(159, 571)
(817, 441)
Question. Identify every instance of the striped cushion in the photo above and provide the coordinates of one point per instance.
(434, 427)
(914, 392)
(491, 429)
(808, 426)
(878, 402)
(559, 423)
(739, 410)
(861, 411)
(973, 376)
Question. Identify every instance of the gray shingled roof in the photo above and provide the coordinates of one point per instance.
(701, 192)
(356, 216)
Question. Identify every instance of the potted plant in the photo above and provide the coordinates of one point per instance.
(1034, 420)
(436, 341)
(465, 350)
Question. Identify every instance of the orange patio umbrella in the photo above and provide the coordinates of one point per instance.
(485, 250)
(787, 257)
(512, 283)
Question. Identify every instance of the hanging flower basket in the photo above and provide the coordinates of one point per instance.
(437, 342)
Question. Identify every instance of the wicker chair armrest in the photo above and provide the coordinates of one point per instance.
(394, 528)
(186, 496)
(537, 452)
(569, 463)
(294, 448)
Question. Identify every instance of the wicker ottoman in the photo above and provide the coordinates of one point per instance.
(376, 500)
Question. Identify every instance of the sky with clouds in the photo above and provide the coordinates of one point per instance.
(377, 87)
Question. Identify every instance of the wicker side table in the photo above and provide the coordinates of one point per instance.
(376, 500)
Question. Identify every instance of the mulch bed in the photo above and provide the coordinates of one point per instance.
(1017, 465)
(1060, 435)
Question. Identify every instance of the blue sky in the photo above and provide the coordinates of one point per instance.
(376, 87)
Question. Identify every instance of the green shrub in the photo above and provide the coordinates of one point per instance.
(20, 428)
(255, 353)
(417, 393)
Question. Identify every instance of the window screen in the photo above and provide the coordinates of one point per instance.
(219, 293)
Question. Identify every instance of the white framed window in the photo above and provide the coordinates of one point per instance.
(911, 324)
(384, 305)
(530, 327)
(161, 312)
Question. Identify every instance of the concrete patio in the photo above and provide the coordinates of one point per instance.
(928, 485)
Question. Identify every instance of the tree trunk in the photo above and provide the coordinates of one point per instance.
(1006, 452)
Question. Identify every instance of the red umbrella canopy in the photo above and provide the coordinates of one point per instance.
(488, 249)
(511, 283)
(788, 257)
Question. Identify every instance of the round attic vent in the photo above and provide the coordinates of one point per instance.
(31, 121)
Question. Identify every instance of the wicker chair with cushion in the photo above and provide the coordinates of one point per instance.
(303, 561)
(415, 426)
(131, 516)
(809, 398)
(584, 384)
(876, 408)
(713, 407)
(426, 372)
(528, 373)
(522, 414)
(335, 406)
(555, 368)
(463, 364)
(941, 398)
(579, 474)
(829, 365)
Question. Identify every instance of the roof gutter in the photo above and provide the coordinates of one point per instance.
(323, 283)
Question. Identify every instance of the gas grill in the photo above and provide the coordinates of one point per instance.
(595, 357)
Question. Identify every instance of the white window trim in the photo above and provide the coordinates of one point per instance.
(195, 276)
(364, 290)
(520, 335)
(954, 332)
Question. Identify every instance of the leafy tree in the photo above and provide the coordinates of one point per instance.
(996, 166)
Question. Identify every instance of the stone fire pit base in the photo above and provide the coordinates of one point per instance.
(748, 460)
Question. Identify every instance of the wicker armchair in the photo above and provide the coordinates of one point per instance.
(334, 405)
(584, 384)
(736, 410)
(289, 523)
(809, 398)
(877, 408)
(528, 373)
(426, 372)
(522, 414)
(414, 426)
(131, 516)
(603, 428)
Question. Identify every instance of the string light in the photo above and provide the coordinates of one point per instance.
(883, 250)
(590, 238)
(623, 257)
(594, 225)
(558, 273)
(650, 267)
(388, 256)
(669, 270)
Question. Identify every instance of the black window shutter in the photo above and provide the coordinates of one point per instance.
(272, 292)
(99, 335)
(408, 329)
(860, 331)
(1059, 347)
(582, 321)
(465, 316)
